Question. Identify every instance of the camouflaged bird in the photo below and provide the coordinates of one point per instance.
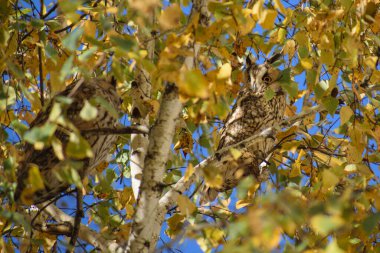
(251, 114)
(46, 160)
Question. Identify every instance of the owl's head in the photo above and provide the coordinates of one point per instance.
(261, 76)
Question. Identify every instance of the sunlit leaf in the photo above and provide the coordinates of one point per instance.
(324, 224)
(78, 147)
(170, 17)
(224, 71)
(185, 205)
(39, 136)
(71, 40)
(88, 112)
(345, 114)
(267, 18)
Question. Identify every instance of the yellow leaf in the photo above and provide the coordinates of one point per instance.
(112, 10)
(214, 235)
(235, 153)
(170, 17)
(35, 178)
(371, 61)
(242, 203)
(327, 57)
(345, 114)
(224, 71)
(328, 160)
(257, 10)
(324, 224)
(281, 35)
(248, 24)
(57, 147)
(185, 141)
(333, 247)
(144, 6)
(279, 6)
(329, 180)
(267, 19)
(78, 147)
(354, 155)
(89, 28)
(307, 63)
(212, 178)
(296, 170)
(55, 82)
(124, 231)
(193, 84)
(189, 171)
(175, 224)
(185, 205)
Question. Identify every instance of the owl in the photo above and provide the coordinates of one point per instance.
(251, 114)
(48, 164)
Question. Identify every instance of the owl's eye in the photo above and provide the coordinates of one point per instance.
(267, 79)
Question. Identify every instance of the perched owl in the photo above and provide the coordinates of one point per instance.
(250, 115)
(47, 162)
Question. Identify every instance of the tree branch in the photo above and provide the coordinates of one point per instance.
(112, 131)
(78, 216)
(84, 233)
(151, 187)
(140, 91)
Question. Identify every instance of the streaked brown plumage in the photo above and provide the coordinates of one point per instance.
(47, 161)
(251, 114)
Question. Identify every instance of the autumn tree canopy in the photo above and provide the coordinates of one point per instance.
(179, 66)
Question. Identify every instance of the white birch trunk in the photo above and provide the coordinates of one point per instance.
(161, 137)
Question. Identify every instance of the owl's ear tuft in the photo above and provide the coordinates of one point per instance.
(250, 60)
(273, 58)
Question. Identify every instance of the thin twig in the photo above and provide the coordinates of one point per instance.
(50, 11)
(78, 216)
(41, 76)
(40, 59)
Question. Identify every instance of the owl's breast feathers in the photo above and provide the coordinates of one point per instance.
(251, 114)
(46, 160)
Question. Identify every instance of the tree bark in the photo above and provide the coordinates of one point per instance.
(161, 137)
(140, 116)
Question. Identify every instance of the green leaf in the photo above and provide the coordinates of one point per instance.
(331, 104)
(39, 136)
(78, 147)
(244, 186)
(354, 240)
(370, 223)
(269, 94)
(7, 97)
(122, 43)
(37, 23)
(68, 172)
(88, 112)
(321, 88)
(70, 41)
(87, 54)
(324, 224)
(285, 76)
(67, 68)
(106, 105)
(19, 127)
(291, 88)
